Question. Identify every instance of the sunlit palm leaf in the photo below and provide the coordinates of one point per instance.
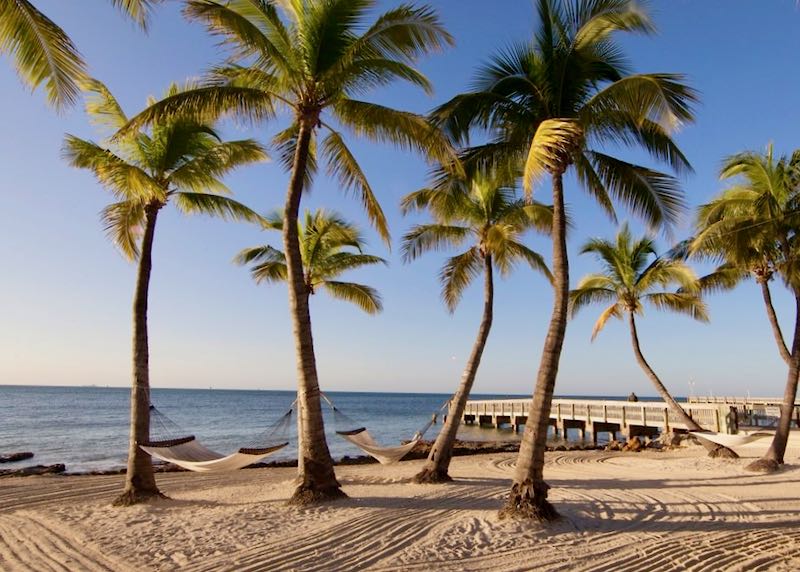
(122, 222)
(457, 273)
(214, 205)
(551, 149)
(42, 52)
(431, 237)
(364, 297)
(343, 165)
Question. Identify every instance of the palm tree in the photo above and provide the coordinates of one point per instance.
(547, 105)
(627, 282)
(314, 59)
(324, 240)
(751, 229)
(490, 219)
(179, 161)
(325, 243)
(43, 53)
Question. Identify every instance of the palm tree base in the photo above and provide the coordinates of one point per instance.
(308, 494)
(721, 452)
(763, 466)
(528, 501)
(432, 476)
(135, 496)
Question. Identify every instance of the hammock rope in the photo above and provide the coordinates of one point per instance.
(177, 447)
(357, 434)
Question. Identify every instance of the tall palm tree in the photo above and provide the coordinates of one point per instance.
(490, 219)
(549, 104)
(314, 59)
(628, 281)
(180, 162)
(43, 53)
(326, 247)
(751, 228)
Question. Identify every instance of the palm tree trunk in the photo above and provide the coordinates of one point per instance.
(528, 498)
(773, 321)
(140, 481)
(318, 480)
(436, 468)
(714, 450)
(773, 458)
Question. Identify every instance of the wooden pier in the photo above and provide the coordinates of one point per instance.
(591, 417)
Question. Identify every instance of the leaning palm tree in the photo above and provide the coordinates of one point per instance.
(329, 247)
(314, 59)
(751, 229)
(549, 105)
(628, 281)
(42, 51)
(179, 162)
(490, 219)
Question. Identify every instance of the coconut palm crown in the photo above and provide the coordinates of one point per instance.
(42, 51)
(485, 215)
(330, 246)
(630, 280)
(180, 162)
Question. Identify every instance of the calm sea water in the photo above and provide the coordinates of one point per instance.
(86, 428)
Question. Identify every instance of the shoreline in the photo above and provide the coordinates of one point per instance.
(621, 511)
(420, 452)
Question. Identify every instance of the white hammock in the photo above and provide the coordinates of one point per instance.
(385, 455)
(194, 456)
(727, 440)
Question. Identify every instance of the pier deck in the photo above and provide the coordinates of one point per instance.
(591, 417)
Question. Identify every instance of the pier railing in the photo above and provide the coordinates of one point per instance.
(641, 414)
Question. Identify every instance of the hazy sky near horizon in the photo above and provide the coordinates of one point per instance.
(65, 292)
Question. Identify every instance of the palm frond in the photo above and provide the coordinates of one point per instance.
(654, 196)
(427, 237)
(214, 205)
(364, 297)
(551, 148)
(203, 171)
(250, 28)
(122, 222)
(205, 104)
(270, 264)
(125, 180)
(403, 129)
(665, 99)
(343, 165)
(535, 260)
(340, 262)
(613, 311)
(42, 52)
(586, 294)
(681, 303)
(724, 277)
(138, 10)
(458, 273)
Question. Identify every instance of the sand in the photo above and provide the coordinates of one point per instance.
(622, 511)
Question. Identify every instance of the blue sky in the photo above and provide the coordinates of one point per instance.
(65, 293)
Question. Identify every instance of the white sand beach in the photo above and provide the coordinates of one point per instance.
(622, 511)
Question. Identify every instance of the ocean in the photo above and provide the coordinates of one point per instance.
(86, 428)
